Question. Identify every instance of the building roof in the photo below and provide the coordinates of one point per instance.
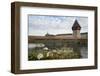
(76, 26)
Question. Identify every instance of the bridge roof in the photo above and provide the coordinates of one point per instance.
(52, 37)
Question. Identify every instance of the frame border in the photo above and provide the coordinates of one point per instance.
(15, 37)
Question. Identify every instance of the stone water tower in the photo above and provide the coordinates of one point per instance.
(76, 29)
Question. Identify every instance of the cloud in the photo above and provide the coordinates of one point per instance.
(53, 24)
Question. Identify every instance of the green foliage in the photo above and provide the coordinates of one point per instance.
(63, 53)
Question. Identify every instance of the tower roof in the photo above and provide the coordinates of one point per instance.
(76, 26)
(48, 34)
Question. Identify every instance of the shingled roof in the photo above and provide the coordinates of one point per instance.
(76, 26)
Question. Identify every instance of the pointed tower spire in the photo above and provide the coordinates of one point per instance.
(76, 26)
(76, 29)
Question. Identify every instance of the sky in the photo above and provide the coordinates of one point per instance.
(39, 25)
